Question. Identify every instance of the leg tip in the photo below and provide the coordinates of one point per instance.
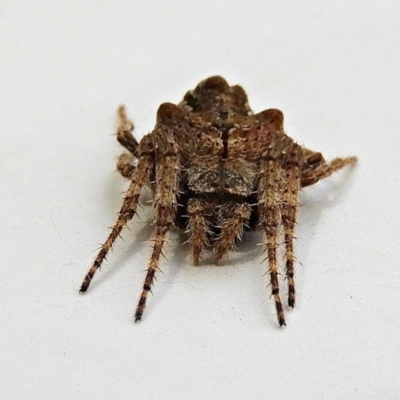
(281, 319)
(138, 317)
(85, 285)
(83, 288)
(282, 322)
(353, 160)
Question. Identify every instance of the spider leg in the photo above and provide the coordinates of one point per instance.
(312, 159)
(125, 166)
(269, 199)
(124, 133)
(198, 228)
(165, 202)
(140, 178)
(289, 208)
(159, 239)
(233, 218)
(323, 170)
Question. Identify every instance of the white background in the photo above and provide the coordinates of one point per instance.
(209, 332)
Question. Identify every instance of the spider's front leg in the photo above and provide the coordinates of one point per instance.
(315, 167)
(139, 179)
(269, 199)
(232, 217)
(125, 166)
(289, 207)
(165, 203)
(124, 133)
(125, 138)
(198, 228)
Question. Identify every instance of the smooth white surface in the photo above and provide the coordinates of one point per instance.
(210, 332)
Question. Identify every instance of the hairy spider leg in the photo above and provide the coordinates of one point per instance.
(324, 169)
(289, 207)
(127, 140)
(269, 199)
(232, 218)
(165, 203)
(197, 228)
(312, 159)
(140, 179)
(124, 133)
(125, 166)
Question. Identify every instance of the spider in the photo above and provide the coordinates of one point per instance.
(216, 168)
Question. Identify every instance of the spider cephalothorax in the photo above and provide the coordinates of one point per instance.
(227, 168)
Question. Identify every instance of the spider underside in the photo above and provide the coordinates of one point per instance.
(216, 168)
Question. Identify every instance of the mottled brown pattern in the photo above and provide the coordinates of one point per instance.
(216, 168)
